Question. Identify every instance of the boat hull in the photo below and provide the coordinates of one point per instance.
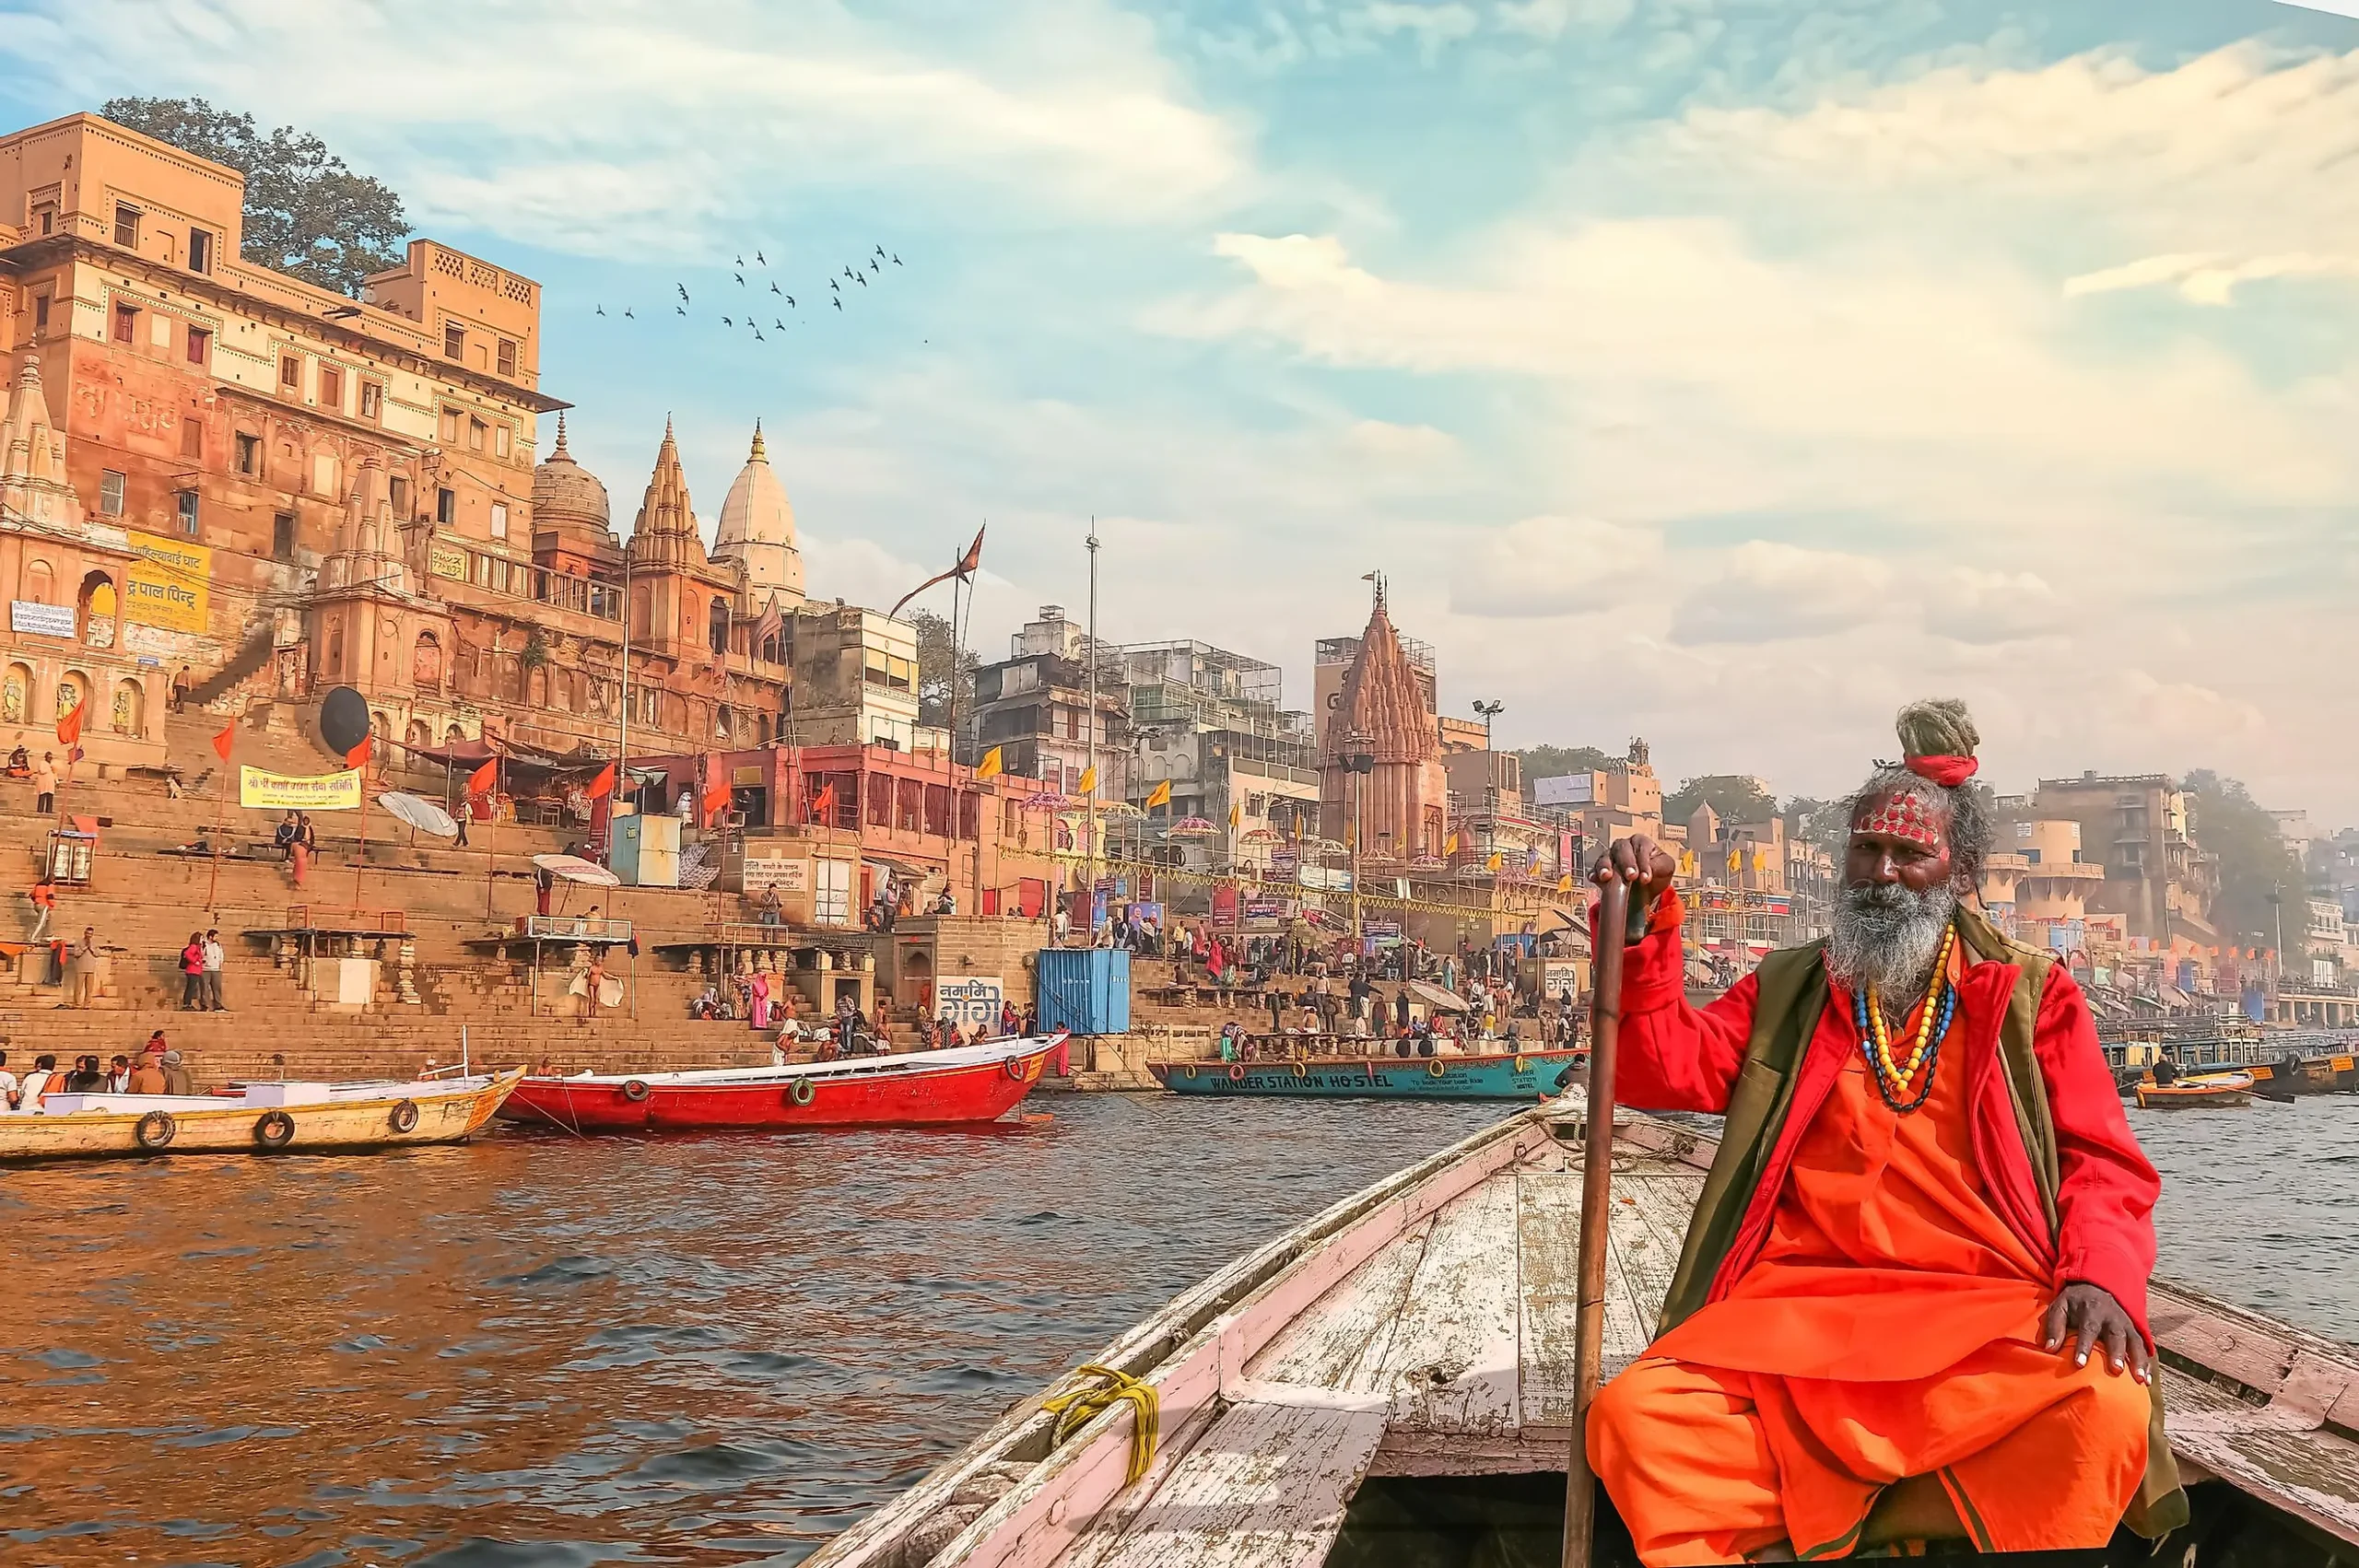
(2236, 1090)
(226, 1125)
(1532, 1076)
(880, 1092)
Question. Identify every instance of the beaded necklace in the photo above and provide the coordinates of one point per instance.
(1933, 1019)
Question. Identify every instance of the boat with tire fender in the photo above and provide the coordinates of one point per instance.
(961, 1086)
(1509, 1075)
(265, 1118)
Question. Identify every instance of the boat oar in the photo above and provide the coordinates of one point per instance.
(1597, 1182)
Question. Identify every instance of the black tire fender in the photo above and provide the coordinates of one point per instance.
(402, 1117)
(273, 1129)
(155, 1131)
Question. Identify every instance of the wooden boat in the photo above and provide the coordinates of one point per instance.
(1392, 1383)
(2201, 1089)
(305, 1118)
(1528, 1075)
(963, 1084)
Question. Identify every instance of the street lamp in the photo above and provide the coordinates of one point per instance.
(1486, 712)
(1359, 762)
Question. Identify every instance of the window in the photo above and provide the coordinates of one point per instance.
(200, 251)
(397, 492)
(474, 434)
(507, 356)
(449, 426)
(500, 439)
(282, 537)
(331, 388)
(199, 342)
(446, 506)
(372, 399)
(192, 436)
(126, 225)
(249, 453)
(126, 324)
(455, 343)
(1073, 723)
(40, 314)
(499, 520)
(45, 218)
(290, 371)
(483, 571)
(109, 493)
(187, 508)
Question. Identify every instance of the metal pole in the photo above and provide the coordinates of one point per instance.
(1090, 886)
(622, 736)
(1359, 805)
(1610, 935)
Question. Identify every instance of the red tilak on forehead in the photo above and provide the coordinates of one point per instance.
(1904, 813)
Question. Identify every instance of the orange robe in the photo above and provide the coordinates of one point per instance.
(1890, 1328)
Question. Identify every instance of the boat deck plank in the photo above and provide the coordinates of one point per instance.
(1265, 1487)
(1341, 1342)
(1451, 1363)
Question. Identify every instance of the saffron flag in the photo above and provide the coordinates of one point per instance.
(1160, 796)
(990, 766)
(1449, 845)
(1533, 868)
(1236, 816)
(822, 804)
(1089, 784)
(1495, 860)
(603, 786)
(1565, 883)
(716, 795)
(358, 755)
(485, 779)
(69, 726)
(1734, 859)
(221, 742)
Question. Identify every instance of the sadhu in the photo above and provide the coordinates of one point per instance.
(1912, 1303)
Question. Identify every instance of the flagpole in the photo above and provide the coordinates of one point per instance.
(491, 839)
(1090, 886)
(220, 826)
(363, 857)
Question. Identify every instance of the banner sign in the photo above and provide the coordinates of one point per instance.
(42, 620)
(1565, 790)
(968, 999)
(446, 560)
(786, 874)
(170, 586)
(292, 792)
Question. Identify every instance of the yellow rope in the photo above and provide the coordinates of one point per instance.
(1076, 1407)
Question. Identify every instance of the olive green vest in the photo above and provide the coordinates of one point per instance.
(1792, 997)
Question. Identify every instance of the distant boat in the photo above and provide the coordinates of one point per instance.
(1509, 1075)
(962, 1085)
(2203, 1089)
(264, 1118)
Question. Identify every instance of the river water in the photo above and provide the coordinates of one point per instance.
(538, 1351)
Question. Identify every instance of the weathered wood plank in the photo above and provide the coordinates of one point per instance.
(1341, 1342)
(1650, 1224)
(1451, 1366)
(2273, 1452)
(1264, 1488)
(1548, 1219)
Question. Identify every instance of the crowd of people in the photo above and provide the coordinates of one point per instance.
(160, 1070)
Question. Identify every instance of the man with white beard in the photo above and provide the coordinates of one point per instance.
(1912, 1301)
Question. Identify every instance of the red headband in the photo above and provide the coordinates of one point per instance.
(1949, 772)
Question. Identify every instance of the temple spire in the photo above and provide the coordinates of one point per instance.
(759, 453)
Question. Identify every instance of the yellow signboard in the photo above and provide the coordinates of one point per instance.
(293, 792)
(170, 587)
(446, 560)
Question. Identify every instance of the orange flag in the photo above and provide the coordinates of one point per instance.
(716, 794)
(221, 742)
(69, 726)
(823, 805)
(604, 785)
(485, 779)
(358, 755)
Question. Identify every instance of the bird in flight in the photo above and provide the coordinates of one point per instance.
(849, 273)
(741, 261)
(837, 303)
(896, 259)
(872, 267)
(684, 292)
(602, 309)
(679, 310)
(860, 278)
(727, 323)
(779, 326)
(740, 277)
(880, 250)
(774, 285)
(790, 304)
(831, 284)
(758, 337)
(765, 261)
(627, 313)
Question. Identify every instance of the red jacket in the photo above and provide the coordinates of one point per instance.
(1675, 1056)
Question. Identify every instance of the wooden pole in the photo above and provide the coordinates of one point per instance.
(220, 825)
(491, 839)
(1597, 1195)
(361, 858)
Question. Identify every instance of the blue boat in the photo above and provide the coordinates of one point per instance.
(1532, 1075)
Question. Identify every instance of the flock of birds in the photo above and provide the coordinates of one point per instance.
(747, 314)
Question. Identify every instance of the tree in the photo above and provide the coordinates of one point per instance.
(2255, 865)
(1735, 796)
(934, 666)
(307, 213)
(1555, 761)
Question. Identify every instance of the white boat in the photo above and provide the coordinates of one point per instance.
(1392, 1382)
(303, 1118)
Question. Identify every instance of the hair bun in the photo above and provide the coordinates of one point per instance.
(1936, 727)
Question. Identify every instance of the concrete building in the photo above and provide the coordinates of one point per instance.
(855, 680)
(2038, 882)
(1035, 706)
(1214, 725)
(2135, 827)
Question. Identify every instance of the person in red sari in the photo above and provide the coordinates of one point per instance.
(1914, 1302)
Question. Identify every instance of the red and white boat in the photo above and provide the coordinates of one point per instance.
(963, 1084)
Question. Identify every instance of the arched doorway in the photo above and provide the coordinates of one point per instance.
(426, 663)
(536, 687)
(129, 712)
(72, 691)
(722, 729)
(454, 736)
(40, 583)
(717, 626)
(420, 736)
(15, 693)
(95, 607)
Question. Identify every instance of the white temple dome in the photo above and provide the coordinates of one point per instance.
(757, 527)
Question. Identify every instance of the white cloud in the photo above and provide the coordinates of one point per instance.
(617, 127)
(1554, 566)
(2207, 280)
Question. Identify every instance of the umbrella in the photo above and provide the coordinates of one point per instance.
(1047, 800)
(1119, 808)
(424, 815)
(1258, 836)
(574, 868)
(1193, 827)
(1324, 846)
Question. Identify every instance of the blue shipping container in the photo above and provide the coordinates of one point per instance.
(1086, 990)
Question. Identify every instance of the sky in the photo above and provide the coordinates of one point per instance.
(1726, 372)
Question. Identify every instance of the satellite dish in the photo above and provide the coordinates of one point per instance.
(343, 722)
